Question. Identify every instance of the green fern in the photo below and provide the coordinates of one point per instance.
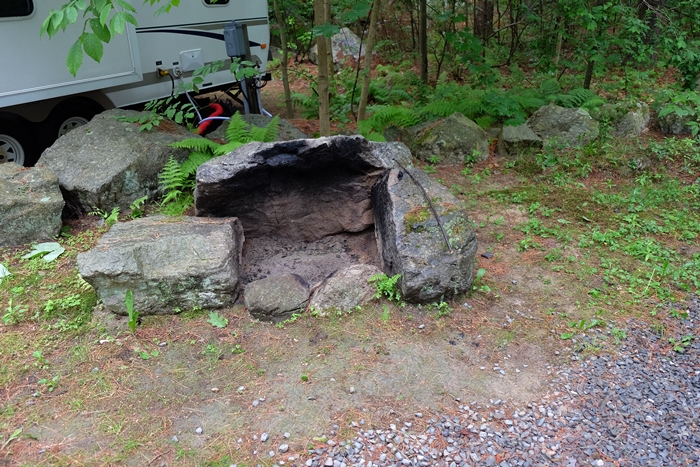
(178, 180)
(237, 130)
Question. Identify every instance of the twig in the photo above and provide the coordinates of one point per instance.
(159, 455)
(430, 203)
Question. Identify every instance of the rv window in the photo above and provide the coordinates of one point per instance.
(216, 2)
(10, 8)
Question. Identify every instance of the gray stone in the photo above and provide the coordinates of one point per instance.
(168, 263)
(298, 190)
(286, 132)
(673, 124)
(30, 204)
(411, 243)
(276, 298)
(452, 140)
(344, 43)
(345, 290)
(627, 120)
(566, 127)
(109, 163)
(513, 140)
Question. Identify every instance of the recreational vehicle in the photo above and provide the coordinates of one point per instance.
(40, 100)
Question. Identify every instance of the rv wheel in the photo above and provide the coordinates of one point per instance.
(13, 144)
(68, 115)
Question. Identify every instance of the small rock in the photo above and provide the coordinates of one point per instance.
(256, 403)
(352, 389)
(283, 448)
(174, 439)
(264, 437)
(199, 430)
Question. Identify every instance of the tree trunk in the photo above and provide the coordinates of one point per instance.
(324, 116)
(281, 22)
(423, 40)
(589, 75)
(371, 35)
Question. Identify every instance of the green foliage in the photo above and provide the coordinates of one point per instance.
(681, 344)
(49, 383)
(386, 286)
(177, 179)
(685, 105)
(110, 218)
(216, 320)
(132, 313)
(137, 207)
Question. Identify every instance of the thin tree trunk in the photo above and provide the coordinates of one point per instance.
(281, 22)
(329, 45)
(324, 117)
(371, 36)
(423, 40)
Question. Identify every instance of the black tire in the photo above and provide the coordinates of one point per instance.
(66, 116)
(16, 143)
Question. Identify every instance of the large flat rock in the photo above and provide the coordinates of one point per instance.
(109, 163)
(168, 263)
(411, 242)
(30, 204)
(301, 190)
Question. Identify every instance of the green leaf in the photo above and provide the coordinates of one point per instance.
(326, 30)
(56, 19)
(72, 14)
(104, 13)
(52, 250)
(92, 45)
(216, 320)
(125, 5)
(100, 30)
(117, 23)
(75, 58)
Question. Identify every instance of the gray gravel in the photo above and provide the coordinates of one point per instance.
(636, 406)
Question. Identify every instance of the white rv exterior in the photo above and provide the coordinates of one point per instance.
(40, 99)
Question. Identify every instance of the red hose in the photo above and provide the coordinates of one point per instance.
(218, 110)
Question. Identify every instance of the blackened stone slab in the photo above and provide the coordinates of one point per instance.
(299, 190)
(411, 243)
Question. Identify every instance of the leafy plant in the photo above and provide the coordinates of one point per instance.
(14, 313)
(681, 344)
(386, 286)
(137, 207)
(480, 273)
(216, 320)
(132, 313)
(178, 179)
(110, 218)
(49, 383)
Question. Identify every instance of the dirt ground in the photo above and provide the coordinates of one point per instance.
(183, 392)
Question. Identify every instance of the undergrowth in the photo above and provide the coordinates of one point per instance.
(178, 179)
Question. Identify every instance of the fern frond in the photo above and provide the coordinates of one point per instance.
(190, 166)
(198, 144)
(272, 130)
(228, 147)
(237, 130)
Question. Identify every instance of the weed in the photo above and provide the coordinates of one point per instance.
(49, 383)
(110, 218)
(14, 314)
(443, 309)
(40, 361)
(681, 344)
(386, 286)
(480, 273)
(619, 334)
(305, 378)
(137, 207)
(145, 355)
(132, 313)
(385, 313)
